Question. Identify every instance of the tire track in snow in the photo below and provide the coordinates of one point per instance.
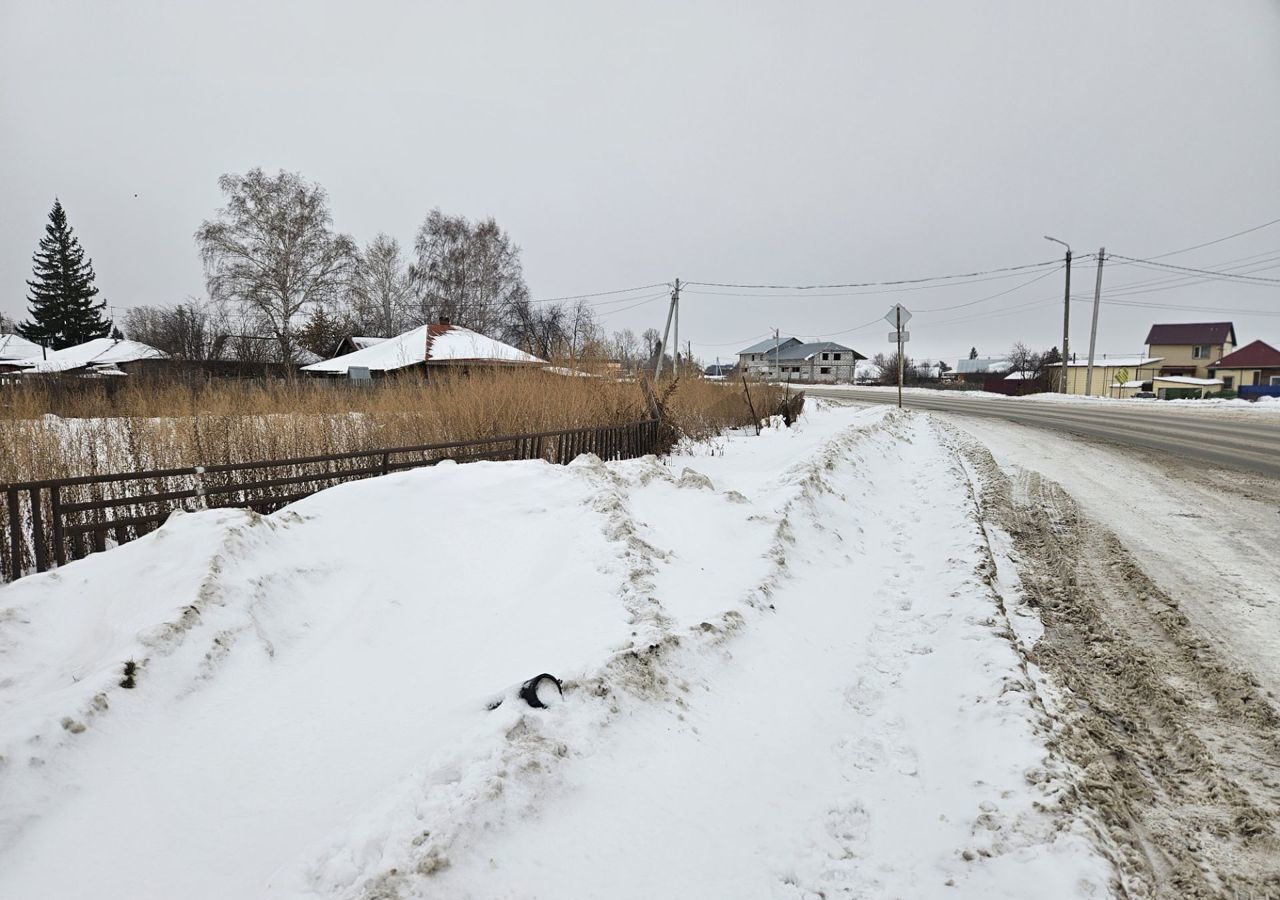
(1177, 751)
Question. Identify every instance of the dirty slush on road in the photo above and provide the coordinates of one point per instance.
(1178, 753)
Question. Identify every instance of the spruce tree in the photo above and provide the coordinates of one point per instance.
(63, 310)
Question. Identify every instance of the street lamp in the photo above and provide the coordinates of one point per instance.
(1066, 312)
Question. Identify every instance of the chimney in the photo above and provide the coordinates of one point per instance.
(444, 320)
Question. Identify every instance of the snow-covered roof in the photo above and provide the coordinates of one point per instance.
(982, 366)
(1020, 376)
(363, 342)
(1133, 384)
(14, 346)
(1187, 379)
(95, 353)
(1117, 362)
(425, 344)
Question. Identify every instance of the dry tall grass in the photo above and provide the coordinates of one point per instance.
(52, 430)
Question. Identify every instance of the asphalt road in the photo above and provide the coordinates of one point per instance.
(1235, 440)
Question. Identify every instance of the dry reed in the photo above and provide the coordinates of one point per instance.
(55, 429)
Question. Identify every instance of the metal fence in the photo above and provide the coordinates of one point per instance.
(1254, 391)
(48, 523)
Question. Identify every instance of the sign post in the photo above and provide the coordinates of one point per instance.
(897, 316)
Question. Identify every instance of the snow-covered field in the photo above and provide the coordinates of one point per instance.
(793, 667)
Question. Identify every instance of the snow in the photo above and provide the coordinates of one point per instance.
(1212, 549)
(16, 347)
(1116, 362)
(99, 352)
(785, 673)
(1187, 379)
(447, 343)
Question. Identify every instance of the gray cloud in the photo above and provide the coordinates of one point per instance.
(620, 145)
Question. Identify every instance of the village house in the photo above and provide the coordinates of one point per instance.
(14, 346)
(1114, 376)
(423, 350)
(1187, 348)
(1253, 364)
(98, 357)
(793, 360)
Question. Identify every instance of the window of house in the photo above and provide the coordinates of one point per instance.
(1275, 380)
(836, 357)
(825, 356)
(824, 370)
(1228, 382)
(1200, 351)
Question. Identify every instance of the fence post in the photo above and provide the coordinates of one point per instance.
(15, 536)
(59, 539)
(37, 532)
(201, 501)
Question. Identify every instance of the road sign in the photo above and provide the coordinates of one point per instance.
(897, 315)
(895, 336)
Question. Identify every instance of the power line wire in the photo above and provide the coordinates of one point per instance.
(1246, 279)
(1217, 241)
(862, 284)
(630, 290)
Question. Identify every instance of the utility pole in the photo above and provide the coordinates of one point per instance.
(1093, 331)
(662, 351)
(688, 353)
(675, 340)
(1066, 313)
(777, 370)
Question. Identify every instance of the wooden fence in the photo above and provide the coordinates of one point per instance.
(48, 523)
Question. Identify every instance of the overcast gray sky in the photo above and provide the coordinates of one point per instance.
(624, 144)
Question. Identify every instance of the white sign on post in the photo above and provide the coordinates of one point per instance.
(897, 315)
(895, 336)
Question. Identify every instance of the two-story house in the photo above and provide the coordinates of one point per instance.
(793, 360)
(1188, 348)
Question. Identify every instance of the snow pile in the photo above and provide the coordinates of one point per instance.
(786, 673)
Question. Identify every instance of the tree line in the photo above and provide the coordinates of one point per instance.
(283, 284)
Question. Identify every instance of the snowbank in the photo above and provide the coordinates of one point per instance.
(785, 672)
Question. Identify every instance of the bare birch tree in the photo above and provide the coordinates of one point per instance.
(271, 251)
(468, 272)
(382, 288)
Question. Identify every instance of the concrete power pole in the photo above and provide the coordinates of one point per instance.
(662, 351)
(1066, 313)
(675, 339)
(1093, 330)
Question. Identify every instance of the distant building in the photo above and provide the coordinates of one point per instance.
(1114, 376)
(978, 370)
(1253, 364)
(719, 370)
(1187, 348)
(98, 357)
(13, 346)
(793, 360)
(438, 347)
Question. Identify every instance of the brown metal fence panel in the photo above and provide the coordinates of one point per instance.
(48, 523)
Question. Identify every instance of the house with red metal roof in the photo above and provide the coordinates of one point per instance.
(1187, 348)
(1257, 363)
